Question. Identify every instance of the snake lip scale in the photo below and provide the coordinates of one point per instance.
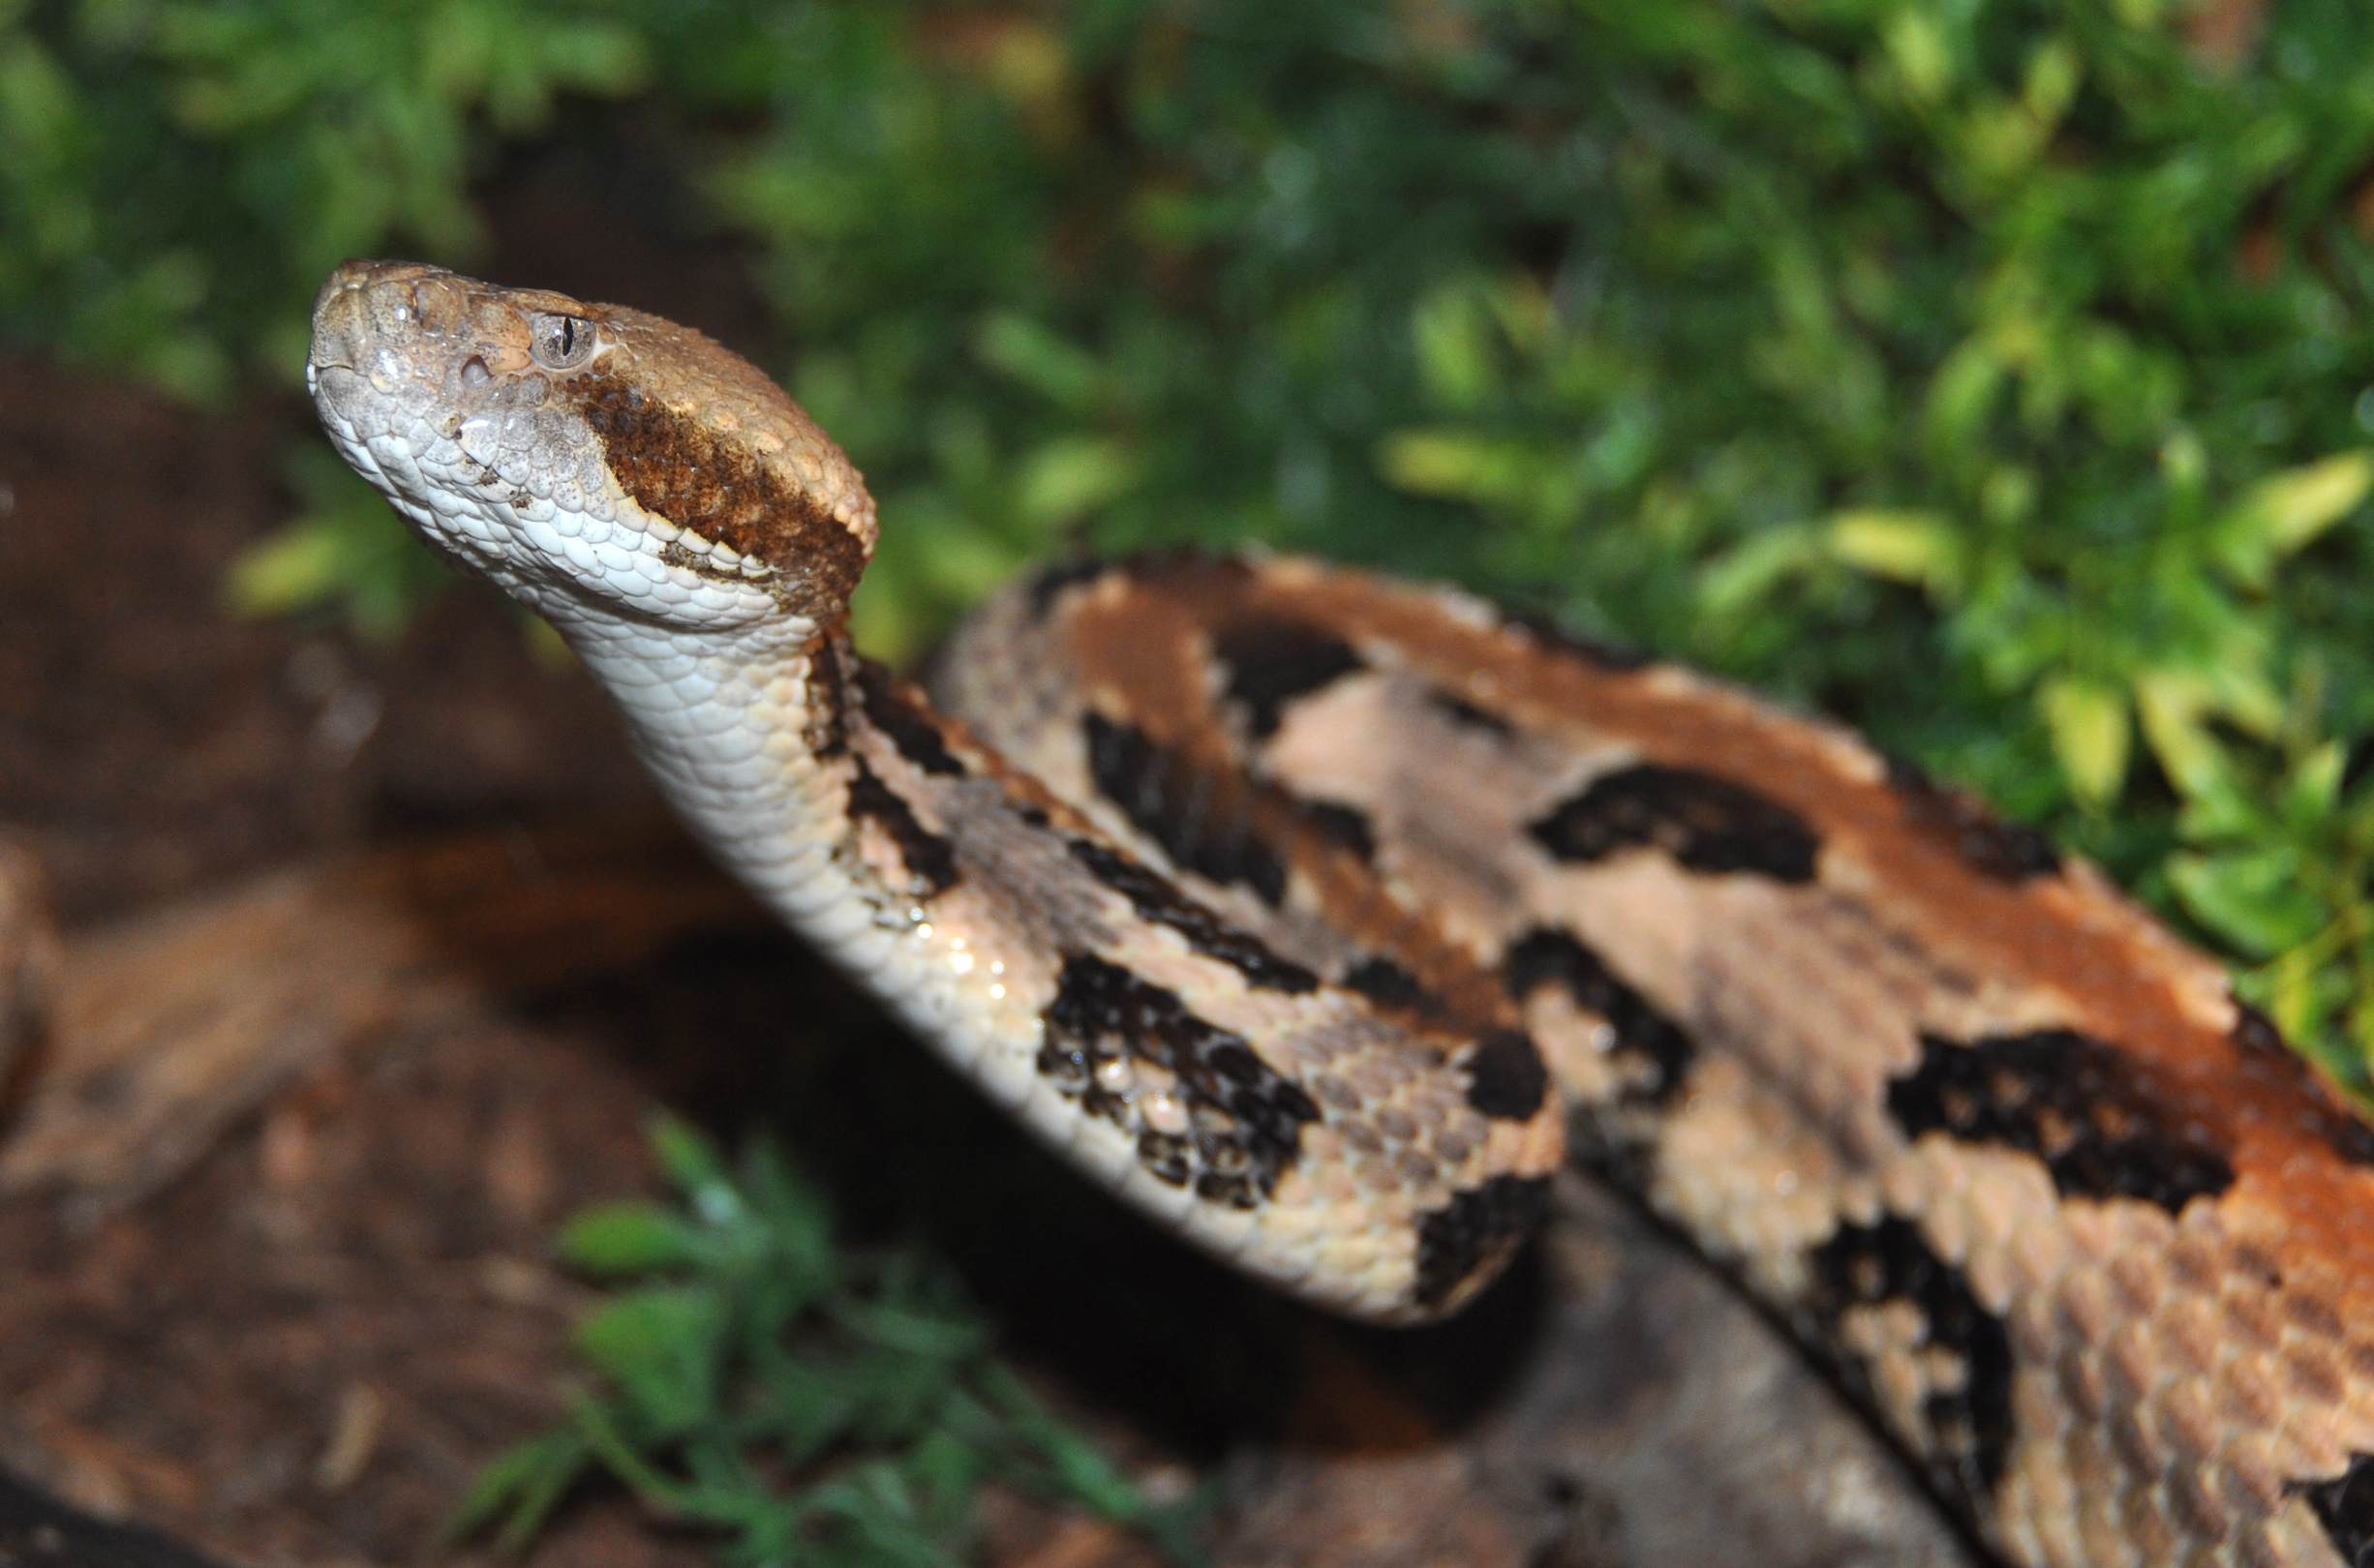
(1321, 916)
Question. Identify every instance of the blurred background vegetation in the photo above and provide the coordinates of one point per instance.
(1995, 375)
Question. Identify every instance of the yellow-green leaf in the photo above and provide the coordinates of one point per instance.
(2314, 786)
(300, 565)
(2174, 709)
(2283, 513)
(1962, 394)
(1454, 355)
(2089, 724)
(1072, 476)
(1923, 58)
(1459, 464)
(1740, 576)
(1920, 548)
(2053, 73)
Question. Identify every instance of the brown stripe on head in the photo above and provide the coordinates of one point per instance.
(698, 436)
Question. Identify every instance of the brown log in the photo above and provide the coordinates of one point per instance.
(166, 1028)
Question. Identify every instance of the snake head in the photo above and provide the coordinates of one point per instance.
(591, 460)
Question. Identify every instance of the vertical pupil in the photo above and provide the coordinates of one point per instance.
(568, 336)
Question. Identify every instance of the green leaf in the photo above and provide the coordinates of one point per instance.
(1733, 583)
(37, 107)
(2258, 899)
(864, 1374)
(521, 1486)
(627, 1238)
(659, 1345)
(2053, 73)
(792, 1208)
(300, 565)
(2313, 789)
(1059, 370)
(1081, 1465)
(692, 1165)
(348, 549)
(1961, 396)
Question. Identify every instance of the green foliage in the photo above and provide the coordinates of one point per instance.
(2045, 353)
(176, 176)
(1995, 374)
(346, 550)
(818, 1407)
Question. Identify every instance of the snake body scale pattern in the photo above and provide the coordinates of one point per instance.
(1315, 913)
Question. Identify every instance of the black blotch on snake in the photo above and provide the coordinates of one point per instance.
(1389, 986)
(2006, 851)
(1045, 584)
(2087, 1109)
(827, 721)
(2345, 1506)
(1474, 1232)
(1200, 820)
(1459, 711)
(1271, 662)
(1244, 1120)
(1156, 899)
(929, 858)
(1657, 1046)
(1705, 822)
(1505, 1076)
(1970, 1425)
(894, 709)
(1345, 827)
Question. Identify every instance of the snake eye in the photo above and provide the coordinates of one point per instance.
(561, 343)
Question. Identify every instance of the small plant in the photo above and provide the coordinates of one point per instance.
(818, 1406)
(345, 552)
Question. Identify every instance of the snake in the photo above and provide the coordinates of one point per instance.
(1324, 917)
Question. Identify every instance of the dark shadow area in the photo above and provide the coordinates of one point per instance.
(750, 1032)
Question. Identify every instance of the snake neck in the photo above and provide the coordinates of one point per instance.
(731, 724)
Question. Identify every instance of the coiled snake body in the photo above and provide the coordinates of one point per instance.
(1314, 912)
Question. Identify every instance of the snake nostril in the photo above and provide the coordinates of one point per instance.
(474, 372)
(436, 304)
